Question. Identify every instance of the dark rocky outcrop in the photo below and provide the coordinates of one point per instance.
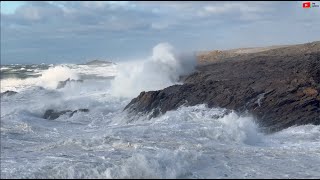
(8, 93)
(52, 114)
(62, 84)
(280, 87)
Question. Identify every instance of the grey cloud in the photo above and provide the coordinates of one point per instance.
(77, 30)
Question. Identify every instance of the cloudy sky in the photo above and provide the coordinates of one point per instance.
(55, 32)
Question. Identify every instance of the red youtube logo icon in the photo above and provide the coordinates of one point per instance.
(306, 5)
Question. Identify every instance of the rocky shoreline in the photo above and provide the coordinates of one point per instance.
(280, 87)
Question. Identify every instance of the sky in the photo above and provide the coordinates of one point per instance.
(74, 32)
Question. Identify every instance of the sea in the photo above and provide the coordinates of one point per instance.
(109, 142)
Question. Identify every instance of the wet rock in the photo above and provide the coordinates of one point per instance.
(52, 114)
(79, 110)
(62, 84)
(8, 93)
(280, 87)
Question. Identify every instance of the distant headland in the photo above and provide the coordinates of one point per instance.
(98, 62)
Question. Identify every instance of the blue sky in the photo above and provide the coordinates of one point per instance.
(56, 32)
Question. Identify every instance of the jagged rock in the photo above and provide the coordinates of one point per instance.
(52, 114)
(8, 93)
(280, 87)
(62, 84)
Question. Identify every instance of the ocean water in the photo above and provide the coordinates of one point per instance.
(107, 142)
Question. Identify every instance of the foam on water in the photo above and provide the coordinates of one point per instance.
(191, 142)
(4, 68)
(103, 70)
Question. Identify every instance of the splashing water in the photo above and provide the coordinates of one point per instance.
(161, 70)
